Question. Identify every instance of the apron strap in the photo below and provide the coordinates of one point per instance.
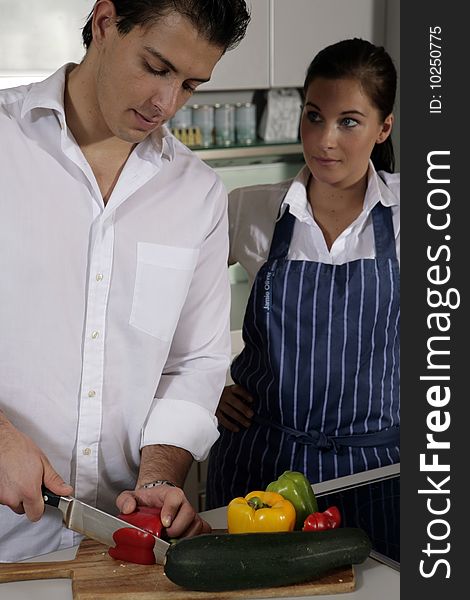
(384, 232)
(282, 236)
(318, 439)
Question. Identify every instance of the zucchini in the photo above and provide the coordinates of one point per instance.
(222, 562)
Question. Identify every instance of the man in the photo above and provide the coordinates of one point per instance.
(114, 293)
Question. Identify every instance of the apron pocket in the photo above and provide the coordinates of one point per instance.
(162, 280)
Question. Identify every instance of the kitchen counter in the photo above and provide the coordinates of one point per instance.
(373, 579)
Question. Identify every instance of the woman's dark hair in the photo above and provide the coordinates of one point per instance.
(221, 22)
(374, 69)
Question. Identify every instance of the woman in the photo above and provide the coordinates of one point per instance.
(317, 384)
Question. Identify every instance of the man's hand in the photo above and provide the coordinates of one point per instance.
(170, 463)
(177, 515)
(234, 408)
(23, 469)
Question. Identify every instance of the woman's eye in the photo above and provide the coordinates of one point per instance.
(313, 116)
(349, 122)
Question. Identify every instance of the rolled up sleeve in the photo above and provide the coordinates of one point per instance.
(183, 411)
(186, 425)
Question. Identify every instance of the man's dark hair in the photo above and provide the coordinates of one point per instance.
(222, 23)
(373, 67)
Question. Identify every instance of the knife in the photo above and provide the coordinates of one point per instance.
(96, 524)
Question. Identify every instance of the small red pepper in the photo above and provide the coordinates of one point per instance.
(133, 545)
(334, 515)
(319, 521)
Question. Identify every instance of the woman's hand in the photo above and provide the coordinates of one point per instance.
(234, 408)
(177, 515)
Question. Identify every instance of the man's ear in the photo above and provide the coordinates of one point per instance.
(386, 129)
(104, 16)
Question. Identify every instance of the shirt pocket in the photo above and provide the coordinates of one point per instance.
(162, 280)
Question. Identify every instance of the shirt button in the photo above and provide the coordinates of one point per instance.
(86, 451)
(91, 394)
(95, 334)
(99, 277)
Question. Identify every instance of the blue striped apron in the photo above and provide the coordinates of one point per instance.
(321, 359)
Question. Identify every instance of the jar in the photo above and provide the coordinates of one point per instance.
(245, 123)
(224, 120)
(203, 118)
(182, 118)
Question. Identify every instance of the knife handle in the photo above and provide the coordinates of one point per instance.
(49, 497)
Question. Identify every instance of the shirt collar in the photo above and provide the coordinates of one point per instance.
(297, 201)
(296, 197)
(163, 142)
(49, 94)
(377, 191)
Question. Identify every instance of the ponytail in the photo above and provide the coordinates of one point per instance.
(383, 156)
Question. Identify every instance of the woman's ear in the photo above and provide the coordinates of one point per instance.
(104, 15)
(386, 129)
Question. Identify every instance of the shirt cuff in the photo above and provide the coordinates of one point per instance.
(182, 424)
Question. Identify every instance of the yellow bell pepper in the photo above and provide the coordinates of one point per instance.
(260, 512)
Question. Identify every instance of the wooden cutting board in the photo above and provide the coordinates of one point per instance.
(96, 576)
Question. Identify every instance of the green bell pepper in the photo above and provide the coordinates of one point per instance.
(296, 488)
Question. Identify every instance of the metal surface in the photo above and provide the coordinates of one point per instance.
(353, 481)
(385, 543)
(100, 526)
(386, 560)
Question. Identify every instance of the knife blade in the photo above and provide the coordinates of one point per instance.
(96, 524)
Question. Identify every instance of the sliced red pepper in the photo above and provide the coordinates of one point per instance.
(133, 545)
(319, 521)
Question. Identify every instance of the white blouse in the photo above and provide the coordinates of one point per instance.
(253, 212)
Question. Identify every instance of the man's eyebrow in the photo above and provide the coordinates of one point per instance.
(344, 112)
(155, 53)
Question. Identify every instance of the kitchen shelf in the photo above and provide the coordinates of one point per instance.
(254, 150)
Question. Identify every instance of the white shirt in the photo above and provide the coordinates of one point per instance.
(114, 320)
(253, 212)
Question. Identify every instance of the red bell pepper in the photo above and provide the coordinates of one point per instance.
(318, 521)
(332, 512)
(145, 517)
(133, 545)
